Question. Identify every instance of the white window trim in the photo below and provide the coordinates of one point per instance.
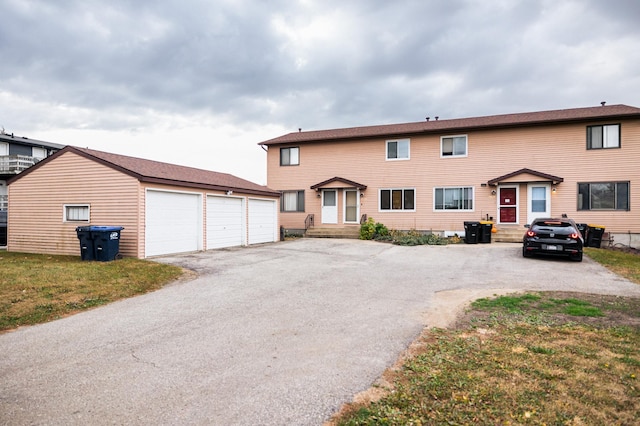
(415, 202)
(66, 219)
(466, 147)
(386, 149)
(473, 199)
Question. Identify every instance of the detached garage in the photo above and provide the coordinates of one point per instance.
(164, 208)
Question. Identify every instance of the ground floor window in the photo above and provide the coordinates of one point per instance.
(603, 196)
(292, 201)
(398, 199)
(76, 213)
(460, 198)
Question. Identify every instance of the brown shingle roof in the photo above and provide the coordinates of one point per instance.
(610, 112)
(165, 173)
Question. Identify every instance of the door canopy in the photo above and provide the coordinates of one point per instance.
(337, 183)
(525, 175)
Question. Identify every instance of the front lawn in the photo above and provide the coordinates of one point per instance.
(36, 288)
(538, 358)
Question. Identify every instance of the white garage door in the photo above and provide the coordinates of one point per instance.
(225, 219)
(173, 223)
(262, 221)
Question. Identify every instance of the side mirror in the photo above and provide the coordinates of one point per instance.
(527, 226)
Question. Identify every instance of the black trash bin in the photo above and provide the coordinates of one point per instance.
(471, 232)
(106, 242)
(3, 228)
(485, 232)
(594, 235)
(87, 251)
(582, 227)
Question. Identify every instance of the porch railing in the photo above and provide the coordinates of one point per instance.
(15, 164)
(308, 222)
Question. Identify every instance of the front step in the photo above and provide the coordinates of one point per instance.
(508, 235)
(352, 232)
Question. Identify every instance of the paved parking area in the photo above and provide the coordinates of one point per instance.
(278, 334)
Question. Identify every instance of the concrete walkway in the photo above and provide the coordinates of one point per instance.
(279, 334)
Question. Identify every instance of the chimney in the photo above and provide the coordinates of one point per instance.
(437, 118)
(602, 103)
(427, 118)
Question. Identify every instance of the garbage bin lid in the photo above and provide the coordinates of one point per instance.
(96, 228)
(595, 226)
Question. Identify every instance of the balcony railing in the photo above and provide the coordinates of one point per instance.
(14, 164)
(4, 202)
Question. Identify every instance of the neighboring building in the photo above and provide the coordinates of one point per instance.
(18, 153)
(436, 174)
(164, 208)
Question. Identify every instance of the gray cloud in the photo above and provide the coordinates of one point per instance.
(313, 64)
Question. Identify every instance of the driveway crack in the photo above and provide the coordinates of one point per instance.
(140, 360)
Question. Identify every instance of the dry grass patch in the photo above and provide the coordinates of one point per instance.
(38, 288)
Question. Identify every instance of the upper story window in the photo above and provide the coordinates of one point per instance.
(76, 213)
(454, 198)
(292, 201)
(453, 146)
(398, 149)
(600, 137)
(290, 156)
(4, 148)
(398, 199)
(603, 196)
(39, 152)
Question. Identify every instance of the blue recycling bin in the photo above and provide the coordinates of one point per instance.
(106, 242)
(100, 243)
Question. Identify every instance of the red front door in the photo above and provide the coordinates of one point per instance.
(508, 205)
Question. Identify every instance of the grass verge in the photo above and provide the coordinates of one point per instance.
(523, 359)
(36, 288)
(620, 262)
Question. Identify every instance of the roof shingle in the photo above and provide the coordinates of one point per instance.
(165, 173)
(461, 124)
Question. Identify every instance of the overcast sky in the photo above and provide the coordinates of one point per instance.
(201, 82)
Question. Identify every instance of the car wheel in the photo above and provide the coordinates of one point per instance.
(525, 253)
(577, 257)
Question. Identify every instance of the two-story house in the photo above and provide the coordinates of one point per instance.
(436, 174)
(18, 153)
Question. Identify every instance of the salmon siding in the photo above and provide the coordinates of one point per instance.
(81, 187)
(434, 175)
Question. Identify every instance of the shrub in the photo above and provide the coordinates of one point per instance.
(372, 230)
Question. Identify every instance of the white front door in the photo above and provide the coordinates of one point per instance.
(539, 201)
(329, 206)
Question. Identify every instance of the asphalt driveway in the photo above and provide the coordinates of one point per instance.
(279, 334)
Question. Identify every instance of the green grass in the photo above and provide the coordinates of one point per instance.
(38, 288)
(517, 360)
(520, 359)
(624, 264)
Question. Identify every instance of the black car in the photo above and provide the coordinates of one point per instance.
(556, 237)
